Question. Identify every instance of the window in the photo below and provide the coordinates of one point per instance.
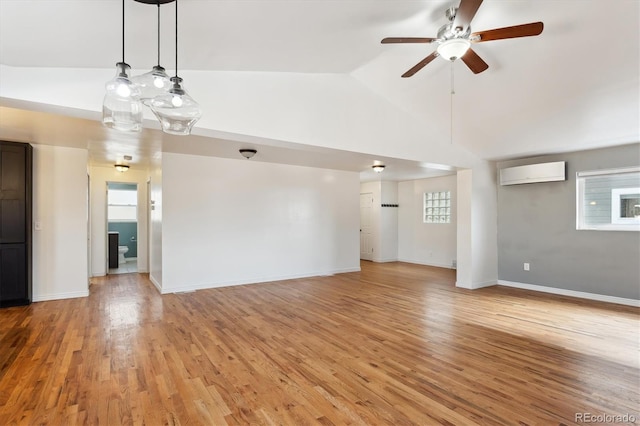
(437, 207)
(609, 200)
(122, 205)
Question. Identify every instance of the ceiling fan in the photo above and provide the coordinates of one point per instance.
(454, 38)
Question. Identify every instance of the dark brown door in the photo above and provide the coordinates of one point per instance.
(12, 194)
(15, 224)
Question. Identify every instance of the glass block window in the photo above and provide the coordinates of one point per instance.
(437, 207)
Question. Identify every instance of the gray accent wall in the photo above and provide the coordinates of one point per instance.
(537, 224)
(128, 236)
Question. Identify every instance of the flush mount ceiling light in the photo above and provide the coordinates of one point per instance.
(248, 153)
(378, 168)
(122, 167)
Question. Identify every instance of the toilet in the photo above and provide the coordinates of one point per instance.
(121, 251)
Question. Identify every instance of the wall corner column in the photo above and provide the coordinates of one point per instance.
(477, 238)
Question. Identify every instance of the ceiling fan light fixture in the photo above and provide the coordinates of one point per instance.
(454, 48)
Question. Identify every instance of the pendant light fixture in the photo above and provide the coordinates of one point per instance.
(121, 107)
(155, 82)
(176, 110)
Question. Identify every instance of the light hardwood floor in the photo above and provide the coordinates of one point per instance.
(394, 344)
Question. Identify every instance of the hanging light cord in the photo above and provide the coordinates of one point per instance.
(158, 32)
(176, 38)
(123, 31)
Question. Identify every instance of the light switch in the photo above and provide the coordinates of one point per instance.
(38, 226)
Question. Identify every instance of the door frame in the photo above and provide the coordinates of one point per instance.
(366, 256)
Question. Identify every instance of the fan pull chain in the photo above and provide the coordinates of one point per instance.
(453, 92)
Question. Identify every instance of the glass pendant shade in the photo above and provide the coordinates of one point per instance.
(176, 110)
(153, 83)
(121, 107)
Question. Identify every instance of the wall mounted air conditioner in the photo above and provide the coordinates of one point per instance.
(533, 173)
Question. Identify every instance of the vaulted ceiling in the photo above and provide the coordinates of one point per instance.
(308, 82)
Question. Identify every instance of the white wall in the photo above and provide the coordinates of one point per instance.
(388, 223)
(60, 202)
(227, 222)
(477, 227)
(426, 243)
(155, 228)
(99, 178)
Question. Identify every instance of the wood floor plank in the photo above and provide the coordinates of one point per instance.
(394, 344)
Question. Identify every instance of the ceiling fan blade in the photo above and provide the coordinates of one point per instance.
(524, 30)
(417, 67)
(474, 62)
(465, 13)
(407, 40)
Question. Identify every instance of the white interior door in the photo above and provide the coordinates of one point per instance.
(366, 208)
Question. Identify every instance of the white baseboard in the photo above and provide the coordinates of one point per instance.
(385, 260)
(59, 296)
(475, 286)
(155, 283)
(257, 280)
(417, 262)
(572, 293)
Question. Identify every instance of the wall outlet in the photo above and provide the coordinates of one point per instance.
(526, 266)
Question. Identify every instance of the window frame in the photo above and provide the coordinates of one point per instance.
(134, 207)
(441, 196)
(615, 224)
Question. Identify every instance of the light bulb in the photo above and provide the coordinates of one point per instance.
(176, 101)
(158, 82)
(121, 107)
(123, 90)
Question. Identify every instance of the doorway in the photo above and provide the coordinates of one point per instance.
(366, 209)
(122, 228)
